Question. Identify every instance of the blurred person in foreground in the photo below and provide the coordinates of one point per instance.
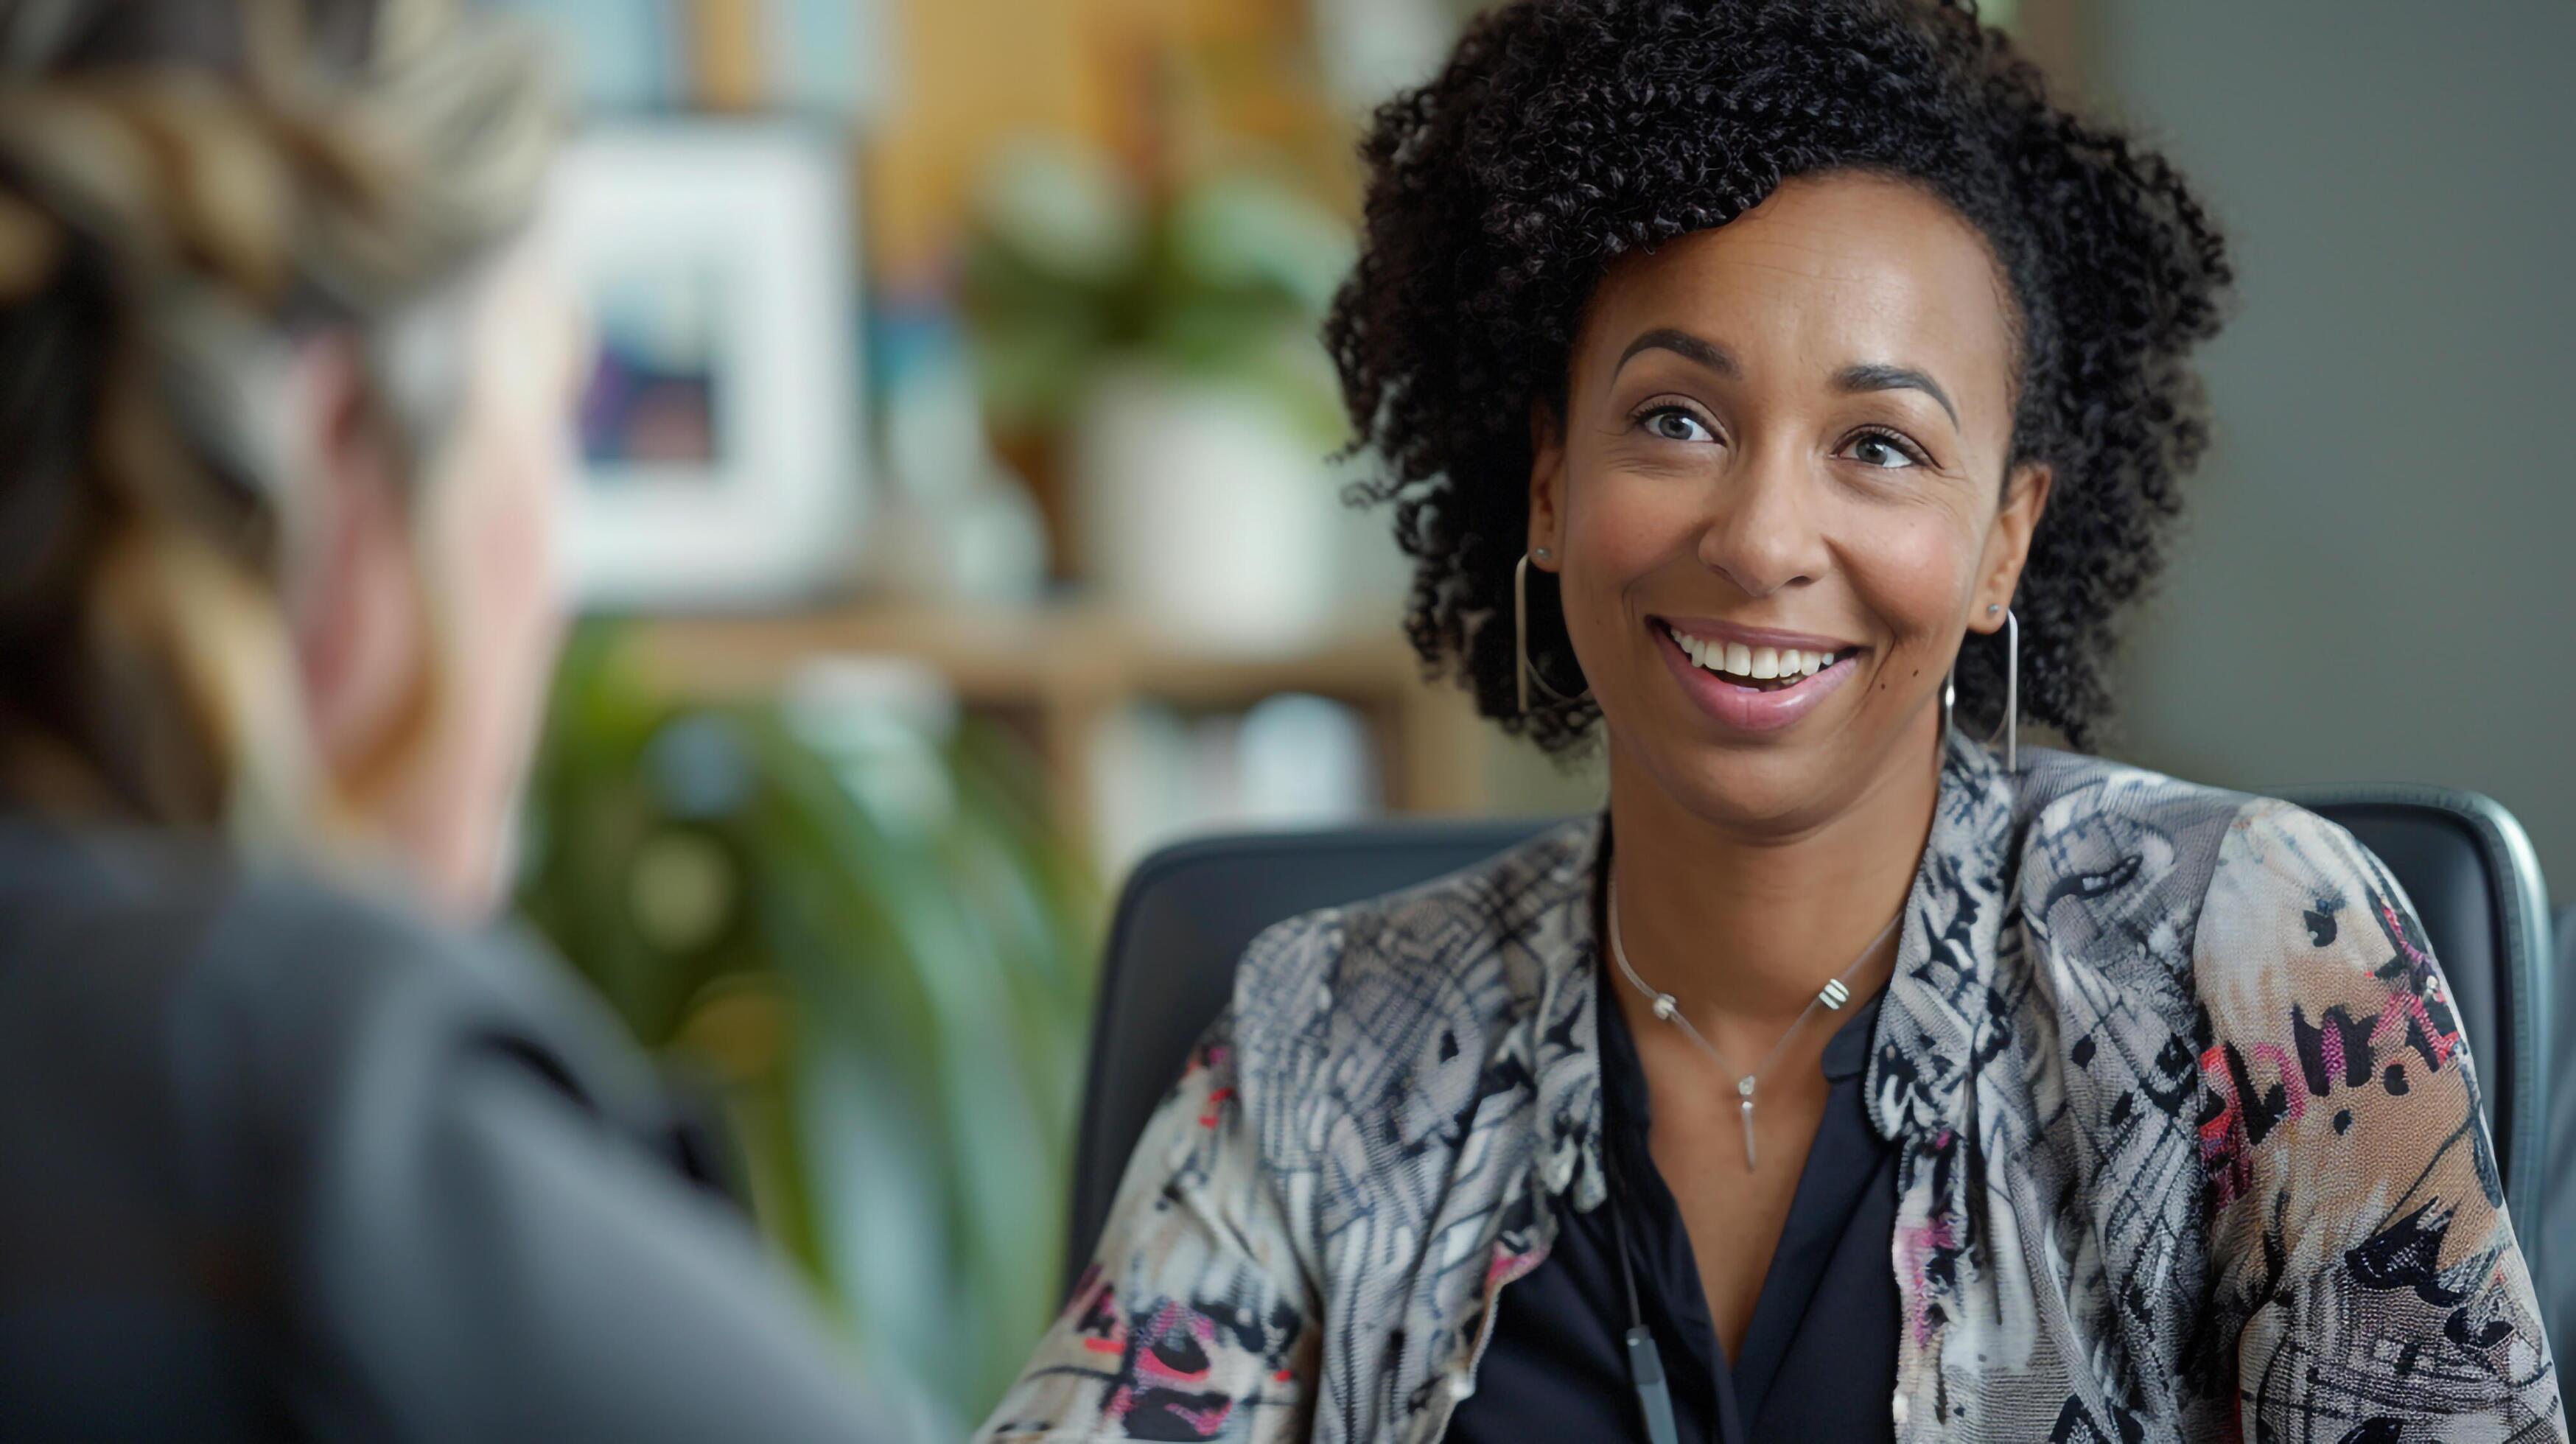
(1743, 372)
(284, 384)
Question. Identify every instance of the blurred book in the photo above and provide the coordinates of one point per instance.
(628, 57)
(1159, 774)
(621, 56)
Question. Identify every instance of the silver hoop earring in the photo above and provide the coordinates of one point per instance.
(2011, 728)
(1524, 671)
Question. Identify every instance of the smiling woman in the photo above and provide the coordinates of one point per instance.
(1794, 431)
(1758, 384)
(1489, 241)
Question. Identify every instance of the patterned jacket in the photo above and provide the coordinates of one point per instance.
(2189, 1148)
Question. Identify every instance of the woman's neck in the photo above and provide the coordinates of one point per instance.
(1743, 926)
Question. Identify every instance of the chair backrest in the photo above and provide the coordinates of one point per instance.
(2551, 1237)
(1187, 913)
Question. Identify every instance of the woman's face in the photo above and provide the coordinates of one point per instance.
(1783, 450)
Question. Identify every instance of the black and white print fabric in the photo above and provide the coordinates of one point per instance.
(2190, 1139)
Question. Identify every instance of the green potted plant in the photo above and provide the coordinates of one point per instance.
(848, 910)
(1164, 332)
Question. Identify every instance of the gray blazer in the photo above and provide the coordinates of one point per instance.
(278, 1162)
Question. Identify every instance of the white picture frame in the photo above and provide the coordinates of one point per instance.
(719, 253)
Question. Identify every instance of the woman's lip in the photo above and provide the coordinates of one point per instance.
(1750, 709)
(1711, 629)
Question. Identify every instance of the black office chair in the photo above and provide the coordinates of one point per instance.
(2550, 1238)
(1188, 911)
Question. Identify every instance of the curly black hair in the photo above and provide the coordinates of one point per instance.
(1563, 134)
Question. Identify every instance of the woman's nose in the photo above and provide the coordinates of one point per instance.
(1760, 531)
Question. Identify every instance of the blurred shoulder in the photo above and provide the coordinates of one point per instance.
(261, 990)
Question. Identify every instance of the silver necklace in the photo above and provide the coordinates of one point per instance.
(1831, 997)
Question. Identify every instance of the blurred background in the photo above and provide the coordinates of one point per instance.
(958, 526)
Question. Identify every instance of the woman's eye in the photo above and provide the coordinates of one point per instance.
(1674, 424)
(1881, 451)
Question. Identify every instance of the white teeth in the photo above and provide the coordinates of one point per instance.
(1751, 663)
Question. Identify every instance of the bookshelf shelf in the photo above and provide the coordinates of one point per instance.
(1059, 672)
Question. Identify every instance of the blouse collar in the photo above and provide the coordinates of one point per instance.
(1930, 1027)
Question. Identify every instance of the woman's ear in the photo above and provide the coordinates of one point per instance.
(1546, 486)
(353, 598)
(2008, 542)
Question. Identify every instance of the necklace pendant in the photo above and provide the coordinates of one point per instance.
(1747, 1111)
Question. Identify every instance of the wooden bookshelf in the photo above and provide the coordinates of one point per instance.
(1057, 672)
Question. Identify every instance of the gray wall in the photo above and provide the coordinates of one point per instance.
(2379, 575)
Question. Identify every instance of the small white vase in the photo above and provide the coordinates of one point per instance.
(1202, 509)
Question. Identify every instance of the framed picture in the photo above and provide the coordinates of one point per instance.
(720, 427)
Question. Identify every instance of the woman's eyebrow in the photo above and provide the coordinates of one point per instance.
(1682, 343)
(1859, 376)
(1878, 376)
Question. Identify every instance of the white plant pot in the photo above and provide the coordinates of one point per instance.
(1202, 509)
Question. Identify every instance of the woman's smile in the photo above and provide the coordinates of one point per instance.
(1748, 679)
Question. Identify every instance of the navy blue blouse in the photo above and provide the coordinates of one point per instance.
(1819, 1358)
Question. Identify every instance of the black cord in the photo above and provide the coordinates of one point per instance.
(1645, 1361)
(1619, 1233)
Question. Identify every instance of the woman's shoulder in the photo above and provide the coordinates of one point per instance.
(2096, 831)
(145, 919)
(264, 1001)
(2243, 885)
(1466, 950)
(2301, 920)
(2075, 795)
